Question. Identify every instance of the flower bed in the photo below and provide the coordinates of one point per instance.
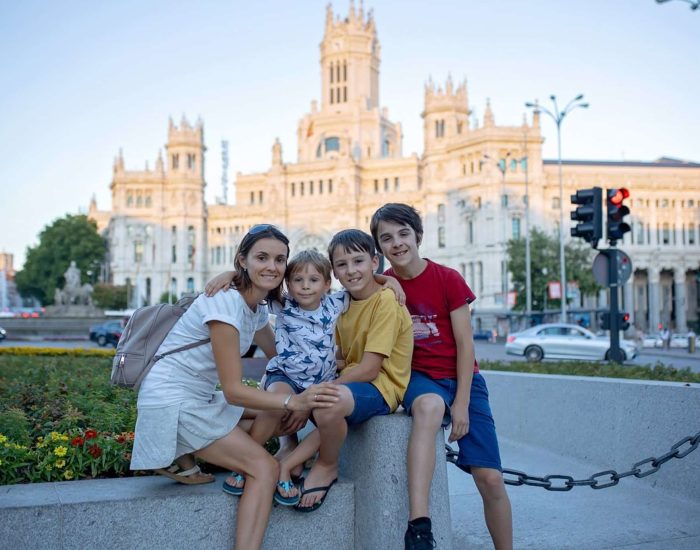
(60, 419)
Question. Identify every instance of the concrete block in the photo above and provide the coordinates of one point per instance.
(609, 423)
(154, 512)
(374, 459)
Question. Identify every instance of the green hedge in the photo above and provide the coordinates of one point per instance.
(591, 368)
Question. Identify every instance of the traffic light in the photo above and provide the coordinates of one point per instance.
(624, 322)
(616, 211)
(589, 214)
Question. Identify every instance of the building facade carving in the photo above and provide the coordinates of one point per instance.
(164, 237)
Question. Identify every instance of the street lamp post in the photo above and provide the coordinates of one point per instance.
(502, 165)
(558, 116)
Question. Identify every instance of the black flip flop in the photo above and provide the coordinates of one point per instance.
(316, 505)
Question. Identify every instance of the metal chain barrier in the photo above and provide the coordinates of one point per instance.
(600, 480)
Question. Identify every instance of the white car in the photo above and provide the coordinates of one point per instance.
(564, 341)
(652, 341)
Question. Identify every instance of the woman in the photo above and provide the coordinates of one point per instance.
(179, 411)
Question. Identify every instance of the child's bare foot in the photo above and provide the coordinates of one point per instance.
(321, 475)
(287, 493)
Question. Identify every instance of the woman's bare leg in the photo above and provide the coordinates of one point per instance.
(239, 452)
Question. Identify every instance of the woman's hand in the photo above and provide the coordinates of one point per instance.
(220, 282)
(395, 286)
(318, 396)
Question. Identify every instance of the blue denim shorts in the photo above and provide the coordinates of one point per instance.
(480, 446)
(368, 402)
(278, 376)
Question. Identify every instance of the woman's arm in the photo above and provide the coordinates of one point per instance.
(460, 319)
(221, 282)
(225, 343)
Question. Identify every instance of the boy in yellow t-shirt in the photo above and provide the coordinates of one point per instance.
(375, 342)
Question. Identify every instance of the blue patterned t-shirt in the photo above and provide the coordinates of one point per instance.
(305, 340)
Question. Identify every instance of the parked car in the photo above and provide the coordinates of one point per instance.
(3, 334)
(106, 333)
(564, 341)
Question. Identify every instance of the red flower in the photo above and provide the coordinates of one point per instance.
(95, 451)
(90, 434)
(120, 439)
(77, 441)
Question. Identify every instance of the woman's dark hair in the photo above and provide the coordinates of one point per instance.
(352, 240)
(241, 280)
(399, 213)
(309, 257)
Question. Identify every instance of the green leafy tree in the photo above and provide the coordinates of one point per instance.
(109, 296)
(64, 240)
(167, 298)
(544, 258)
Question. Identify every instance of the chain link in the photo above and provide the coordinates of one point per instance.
(601, 480)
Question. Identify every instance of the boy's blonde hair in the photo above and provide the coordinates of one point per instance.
(309, 257)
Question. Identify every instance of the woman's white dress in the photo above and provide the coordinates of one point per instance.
(179, 409)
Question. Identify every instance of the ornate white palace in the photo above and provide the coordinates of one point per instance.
(164, 236)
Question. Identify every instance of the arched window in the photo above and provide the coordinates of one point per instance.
(190, 284)
(129, 200)
(331, 72)
(345, 71)
(175, 161)
(148, 201)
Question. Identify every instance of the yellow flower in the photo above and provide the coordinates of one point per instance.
(60, 463)
(3, 438)
(60, 451)
(68, 474)
(54, 435)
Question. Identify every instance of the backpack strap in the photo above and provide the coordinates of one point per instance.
(181, 348)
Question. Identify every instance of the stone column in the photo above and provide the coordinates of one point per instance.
(680, 301)
(653, 274)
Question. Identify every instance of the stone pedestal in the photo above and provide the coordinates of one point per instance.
(374, 459)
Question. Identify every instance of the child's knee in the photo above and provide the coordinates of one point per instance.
(428, 407)
(489, 481)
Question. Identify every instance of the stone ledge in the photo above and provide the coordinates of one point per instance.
(155, 512)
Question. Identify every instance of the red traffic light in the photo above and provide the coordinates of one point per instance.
(625, 317)
(618, 195)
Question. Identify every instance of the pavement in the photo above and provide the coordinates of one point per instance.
(629, 516)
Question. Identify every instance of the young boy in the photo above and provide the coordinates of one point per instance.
(445, 382)
(375, 340)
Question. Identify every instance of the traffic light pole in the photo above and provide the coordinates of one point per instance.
(616, 353)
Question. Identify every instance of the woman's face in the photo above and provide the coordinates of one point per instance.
(265, 263)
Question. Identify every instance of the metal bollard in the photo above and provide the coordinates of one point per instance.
(691, 343)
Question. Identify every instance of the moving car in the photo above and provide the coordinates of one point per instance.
(564, 341)
(3, 333)
(106, 333)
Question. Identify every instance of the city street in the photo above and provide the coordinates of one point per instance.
(678, 358)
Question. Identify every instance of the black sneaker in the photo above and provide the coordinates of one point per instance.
(418, 539)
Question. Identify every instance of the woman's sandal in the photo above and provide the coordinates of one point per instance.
(286, 486)
(193, 476)
(316, 505)
(234, 490)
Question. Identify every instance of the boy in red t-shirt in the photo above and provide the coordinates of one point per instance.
(445, 383)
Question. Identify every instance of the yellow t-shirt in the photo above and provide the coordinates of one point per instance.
(379, 325)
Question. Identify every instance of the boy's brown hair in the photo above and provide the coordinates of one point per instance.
(309, 257)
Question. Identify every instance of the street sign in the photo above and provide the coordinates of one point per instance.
(600, 267)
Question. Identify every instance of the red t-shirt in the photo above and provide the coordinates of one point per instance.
(430, 298)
